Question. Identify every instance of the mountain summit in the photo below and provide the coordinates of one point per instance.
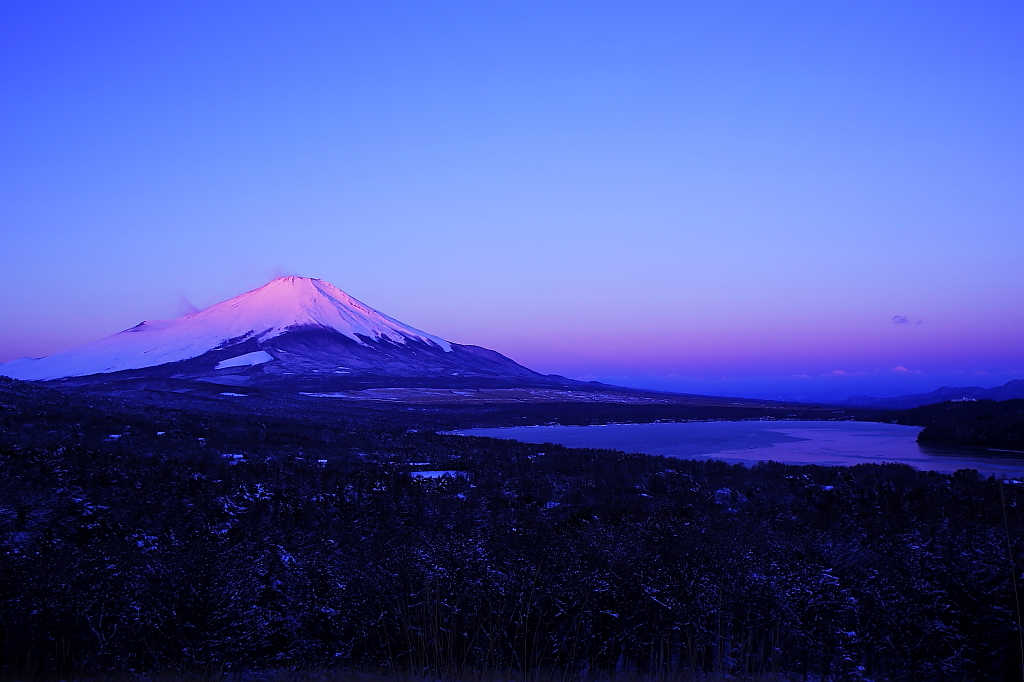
(293, 330)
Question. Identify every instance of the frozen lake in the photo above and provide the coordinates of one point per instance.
(826, 443)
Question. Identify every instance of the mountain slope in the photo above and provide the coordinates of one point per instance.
(294, 330)
(285, 304)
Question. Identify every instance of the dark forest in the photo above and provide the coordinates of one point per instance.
(132, 545)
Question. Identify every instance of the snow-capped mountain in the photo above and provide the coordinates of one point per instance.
(293, 329)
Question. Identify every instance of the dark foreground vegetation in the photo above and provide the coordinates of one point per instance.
(976, 423)
(151, 553)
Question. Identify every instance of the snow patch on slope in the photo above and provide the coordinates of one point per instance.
(249, 359)
(262, 314)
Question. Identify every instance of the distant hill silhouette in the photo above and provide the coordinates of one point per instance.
(976, 424)
(1012, 390)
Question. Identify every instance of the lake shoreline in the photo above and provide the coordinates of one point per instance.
(826, 442)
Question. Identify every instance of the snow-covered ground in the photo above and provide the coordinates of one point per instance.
(494, 395)
(437, 474)
(247, 360)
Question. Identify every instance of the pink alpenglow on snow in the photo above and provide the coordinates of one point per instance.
(285, 303)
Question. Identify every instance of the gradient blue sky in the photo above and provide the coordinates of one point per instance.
(720, 197)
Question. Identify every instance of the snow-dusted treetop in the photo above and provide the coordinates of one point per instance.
(283, 304)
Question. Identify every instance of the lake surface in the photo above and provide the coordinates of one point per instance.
(842, 443)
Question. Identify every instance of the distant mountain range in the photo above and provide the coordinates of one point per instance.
(294, 332)
(1012, 390)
